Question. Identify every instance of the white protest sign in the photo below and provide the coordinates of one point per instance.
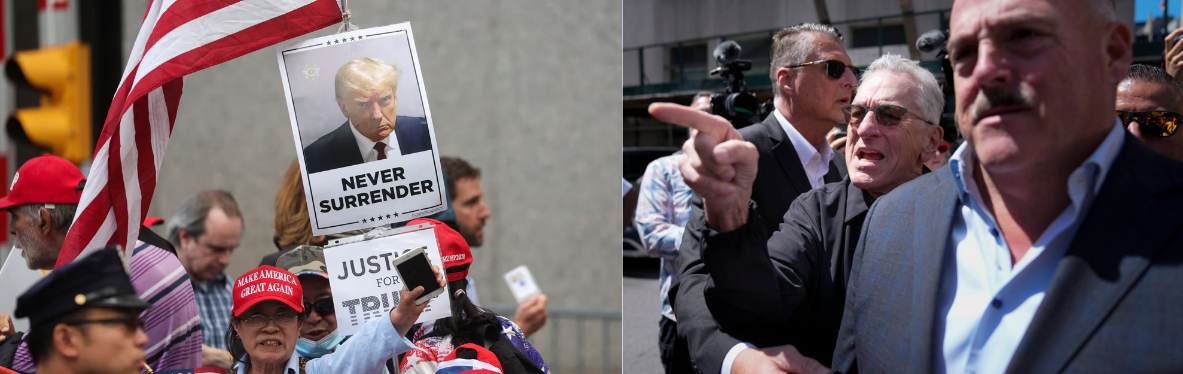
(16, 278)
(365, 284)
(362, 128)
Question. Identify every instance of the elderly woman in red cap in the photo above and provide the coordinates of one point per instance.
(269, 311)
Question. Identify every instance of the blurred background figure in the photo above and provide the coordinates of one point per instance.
(1150, 106)
(205, 232)
(291, 224)
(940, 158)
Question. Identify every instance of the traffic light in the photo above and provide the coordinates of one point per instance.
(62, 123)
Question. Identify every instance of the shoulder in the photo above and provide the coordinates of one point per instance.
(410, 121)
(325, 140)
(917, 193)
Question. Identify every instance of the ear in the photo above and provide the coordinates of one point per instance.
(341, 104)
(186, 239)
(1118, 50)
(67, 341)
(46, 224)
(784, 81)
(935, 135)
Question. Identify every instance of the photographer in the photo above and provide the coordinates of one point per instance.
(814, 80)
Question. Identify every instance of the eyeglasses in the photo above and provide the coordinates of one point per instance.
(323, 307)
(834, 68)
(886, 114)
(131, 323)
(1156, 123)
(281, 319)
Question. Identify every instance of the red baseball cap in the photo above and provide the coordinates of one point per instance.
(454, 250)
(45, 179)
(267, 283)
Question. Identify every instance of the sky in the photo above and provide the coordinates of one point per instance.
(1142, 8)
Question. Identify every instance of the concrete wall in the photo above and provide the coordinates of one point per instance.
(526, 91)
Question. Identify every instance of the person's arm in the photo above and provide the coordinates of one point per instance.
(379, 340)
(216, 358)
(659, 236)
(1173, 55)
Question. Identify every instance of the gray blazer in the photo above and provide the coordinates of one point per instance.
(1114, 304)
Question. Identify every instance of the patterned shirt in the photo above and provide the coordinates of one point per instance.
(172, 324)
(430, 351)
(215, 299)
(663, 208)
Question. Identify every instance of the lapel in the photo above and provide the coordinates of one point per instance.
(1100, 267)
(936, 225)
(786, 155)
(343, 139)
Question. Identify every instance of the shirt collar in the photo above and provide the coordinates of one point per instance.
(293, 365)
(805, 150)
(1089, 175)
(217, 281)
(363, 143)
(858, 200)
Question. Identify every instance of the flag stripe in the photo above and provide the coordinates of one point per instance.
(178, 37)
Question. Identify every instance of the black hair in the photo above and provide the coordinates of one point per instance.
(1156, 75)
(465, 324)
(40, 338)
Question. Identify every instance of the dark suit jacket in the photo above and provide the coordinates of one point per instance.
(791, 288)
(781, 178)
(1113, 305)
(338, 148)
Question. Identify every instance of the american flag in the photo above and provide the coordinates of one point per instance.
(178, 37)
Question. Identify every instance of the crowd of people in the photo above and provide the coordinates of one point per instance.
(168, 304)
(1048, 241)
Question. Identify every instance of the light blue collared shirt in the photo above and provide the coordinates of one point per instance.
(364, 352)
(990, 304)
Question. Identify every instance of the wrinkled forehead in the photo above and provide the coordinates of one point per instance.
(975, 19)
(1136, 96)
(888, 87)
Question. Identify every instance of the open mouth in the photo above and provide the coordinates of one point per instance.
(271, 343)
(869, 155)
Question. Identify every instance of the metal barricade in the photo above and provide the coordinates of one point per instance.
(609, 321)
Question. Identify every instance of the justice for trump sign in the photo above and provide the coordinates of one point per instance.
(365, 284)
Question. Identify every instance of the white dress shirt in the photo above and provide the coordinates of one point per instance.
(366, 146)
(990, 303)
(816, 165)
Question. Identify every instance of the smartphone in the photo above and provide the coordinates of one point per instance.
(521, 283)
(415, 270)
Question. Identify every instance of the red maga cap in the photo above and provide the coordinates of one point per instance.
(267, 283)
(453, 249)
(45, 179)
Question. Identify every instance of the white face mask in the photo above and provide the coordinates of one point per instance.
(314, 349)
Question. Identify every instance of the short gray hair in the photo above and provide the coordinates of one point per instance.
(191, 217)
(791, 45)
(61, 216)
(931, 100)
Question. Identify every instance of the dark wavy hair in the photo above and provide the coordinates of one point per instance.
(465, 324)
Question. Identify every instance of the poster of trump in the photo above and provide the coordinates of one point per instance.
(362, 129)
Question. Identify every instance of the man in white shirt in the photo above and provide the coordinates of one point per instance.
(367, 94)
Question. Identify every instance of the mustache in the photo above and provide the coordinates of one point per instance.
(999, 97)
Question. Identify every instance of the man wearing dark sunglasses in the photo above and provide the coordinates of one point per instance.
(812, 81)
(84, 318)
(318, 334)
(1149, 103)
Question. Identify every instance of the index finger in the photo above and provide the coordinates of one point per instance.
(691, 118)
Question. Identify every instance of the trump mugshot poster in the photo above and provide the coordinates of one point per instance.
(365, 284)
(362, 128)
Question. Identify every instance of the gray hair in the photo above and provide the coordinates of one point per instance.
(61, 216)
(191, 217)
(791, 45)
(931, 100)
(1153, 75)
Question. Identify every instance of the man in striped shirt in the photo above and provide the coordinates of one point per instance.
(44, 197)
(205, 231)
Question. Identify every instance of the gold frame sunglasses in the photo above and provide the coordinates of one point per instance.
(1153, 123)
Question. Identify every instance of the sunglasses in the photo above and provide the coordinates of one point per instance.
(323, 307)
(834, 68)
(131, 323)
(886, 114)
(1156, 123)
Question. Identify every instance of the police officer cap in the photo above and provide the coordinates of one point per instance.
(100, 279)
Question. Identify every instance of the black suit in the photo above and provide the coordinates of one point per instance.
(781, 178)
(338, 148)
(1112, 304)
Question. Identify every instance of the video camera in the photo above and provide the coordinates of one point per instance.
(737, 105)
